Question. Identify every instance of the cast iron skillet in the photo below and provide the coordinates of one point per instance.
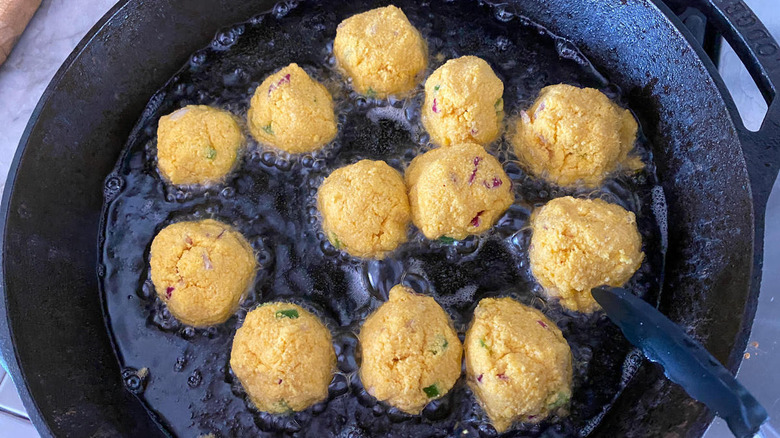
(716, 176)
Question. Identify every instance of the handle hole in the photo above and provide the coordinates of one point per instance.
(743, 89)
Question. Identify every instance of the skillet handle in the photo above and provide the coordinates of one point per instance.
(760, 53)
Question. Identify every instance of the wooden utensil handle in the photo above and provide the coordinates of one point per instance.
(14, 16)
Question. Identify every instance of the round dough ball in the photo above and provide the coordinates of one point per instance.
(364, 207)
(380, 51)
(574, 135)
(411, 354)
(292, 112)
(197, 144)
(457, 191)
(579, 244)
(517, 362)
(284, 358)
(463, 102)
(201, 270)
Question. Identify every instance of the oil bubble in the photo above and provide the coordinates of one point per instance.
(398, 416)
(282, 8)
(198, 59)
(318, 164)
(502, 43)
(237, 77)
(268, 158)
(381, 275)
(188, 332)
(567, 50)
(339, 386)
(225, 39)
(346, 350)
(378, 410)
(416, 282)
(146, 291)
(467, 245)
(438, 409)
(328, 249)
(502, 13)
(366, 399)
(257, 19)
(195, 379)
(283, 164)
(135, 380)
(181, 363)
(113, 186)
(228, 192)
(162, 318)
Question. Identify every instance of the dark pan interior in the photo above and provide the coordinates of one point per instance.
(271, 200)
(52, 208)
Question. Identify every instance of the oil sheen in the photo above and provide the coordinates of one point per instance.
(182, 375)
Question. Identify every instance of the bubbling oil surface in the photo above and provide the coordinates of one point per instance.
(182, 374)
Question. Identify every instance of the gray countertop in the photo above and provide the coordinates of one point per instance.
(59, 25)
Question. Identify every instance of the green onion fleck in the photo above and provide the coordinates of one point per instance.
(483, 344)
(562, 399)
(211, 153)
(282, 407)
(334, 240)
(439, 344)
(436, 88)
(370, 92)
(431, 391)
(499, 105)
(446, 240)
(287, 313)
(268, 130)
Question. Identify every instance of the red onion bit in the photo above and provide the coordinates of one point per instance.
(434, 108)
(474, 131)
(188, 240)
(541, 323)
(169, 291)
(497, 182)
(221, 233)
(474, 172)
(279, 83)
(207, 262)
(476, 221)
(479, 378)
(278, 381)
(539, 109)
(525, 117)
(502, 376)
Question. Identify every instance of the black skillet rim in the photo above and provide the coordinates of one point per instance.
(8, 346)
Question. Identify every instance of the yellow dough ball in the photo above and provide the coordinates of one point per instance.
(579, 244)
(201, 270)
(457, 191)
(574, 135)
(197, 144)
(292, 112)
(364, 207)
(463, 102)
(284, 358)
(410, 352)
(380, 51)
(517, 362)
